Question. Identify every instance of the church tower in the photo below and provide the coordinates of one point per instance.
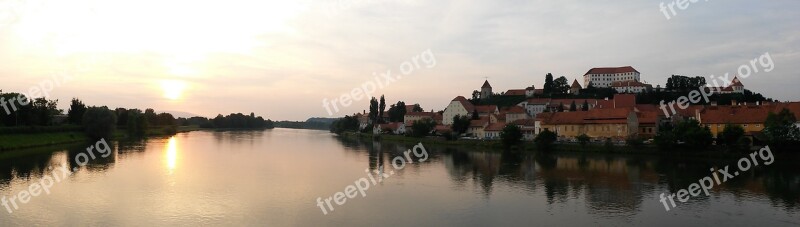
(486, 90)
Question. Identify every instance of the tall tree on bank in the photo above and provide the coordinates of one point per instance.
(573, 107)
(382, 107)
(136, 123)
(560, 85)
(548, 84)
(585, 106)
(460, 124)
(373, 109)
(780, 128)
(99, 122)
(76, 111)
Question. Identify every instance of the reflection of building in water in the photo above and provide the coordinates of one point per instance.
(611, 185)
(480, 167)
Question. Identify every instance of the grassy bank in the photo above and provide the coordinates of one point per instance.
(529, 146)
(10, 142)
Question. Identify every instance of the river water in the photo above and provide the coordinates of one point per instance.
(276, 178)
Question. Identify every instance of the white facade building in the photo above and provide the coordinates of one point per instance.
(604, 77)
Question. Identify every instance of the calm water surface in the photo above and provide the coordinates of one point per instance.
(273, 178)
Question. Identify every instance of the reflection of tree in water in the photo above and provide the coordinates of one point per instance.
(781, 181)
(34, 164)
(611, 184)
(25, 167)
(127, 147)
(96, 164)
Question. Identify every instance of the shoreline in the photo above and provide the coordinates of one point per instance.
(24, 142)
(530, 147)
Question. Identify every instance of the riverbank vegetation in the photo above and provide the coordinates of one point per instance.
(39, 122)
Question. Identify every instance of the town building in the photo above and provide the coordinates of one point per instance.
(736, 87)
(631, 86)
(575, 89)
(458, 106)
(604, 77)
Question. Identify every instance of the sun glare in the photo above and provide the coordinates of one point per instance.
(172, 154)
(173, 89)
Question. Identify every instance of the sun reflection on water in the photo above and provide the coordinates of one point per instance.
(172, 154)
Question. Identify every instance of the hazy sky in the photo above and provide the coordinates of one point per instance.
(281, 59)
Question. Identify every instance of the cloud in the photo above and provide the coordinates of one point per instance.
(283, 69)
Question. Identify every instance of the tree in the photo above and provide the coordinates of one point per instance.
(136, 123)
(347, 123)
(397, 112)
(572, 107)
(460, 124)
(422, 128)
(99, 122)
(122, 116)
(560, 107)
(585, 106)
(731, 135)
(545, 140)
(548, 84)
(42, 111)
(76, 111)
(150, 115)
(382, 107)
(780, 128)
(475, 114)
(561, 85)
(373, 109)
(417, 108)
(511, 135)
(688, 132)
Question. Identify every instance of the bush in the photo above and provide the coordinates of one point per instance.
(99, 122)
(634, 141)
(137, 124)
(170, 130)
(583, 139)
(545, 140)
(422, 128)
(511, 135)
(608, 145)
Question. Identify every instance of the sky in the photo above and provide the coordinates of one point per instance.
(284, 59)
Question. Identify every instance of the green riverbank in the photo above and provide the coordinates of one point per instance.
(12, 142)
(529, 146)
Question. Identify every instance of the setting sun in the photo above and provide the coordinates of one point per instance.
(173, 89)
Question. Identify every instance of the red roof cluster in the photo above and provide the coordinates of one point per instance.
(611, 70)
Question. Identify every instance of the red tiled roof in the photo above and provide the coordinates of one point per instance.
(593, 116)
(575, 84)
(624, 100)
(736, 82)
(734, 114)
(464, 102)
(442, 128)
(515, 92)
(648, 117)
(479, 123)
(486, 108)
(421, 114)
(486, 84)
(495, 127)
(538, 101)
(409, 108)
(515, 110)
(611, 70)
(605, 104)
(525, 122)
